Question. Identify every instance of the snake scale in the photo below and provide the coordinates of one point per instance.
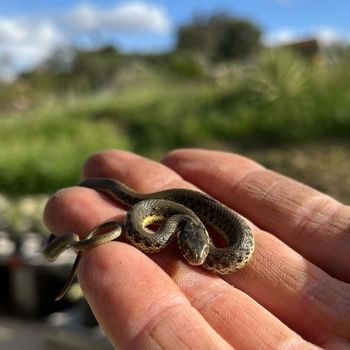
(178, 212)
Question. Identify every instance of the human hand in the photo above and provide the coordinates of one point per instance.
(294, 293)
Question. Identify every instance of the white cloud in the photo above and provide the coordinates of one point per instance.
(329, 35)
(11, 31)
(325, 36)
(23, 32)
(27, 41)
(280, 37)
(128, 17)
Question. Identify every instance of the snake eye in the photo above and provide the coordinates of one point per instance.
(194, 243)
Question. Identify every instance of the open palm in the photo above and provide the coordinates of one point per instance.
(294, 294)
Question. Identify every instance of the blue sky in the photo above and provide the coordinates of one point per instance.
(31, 30)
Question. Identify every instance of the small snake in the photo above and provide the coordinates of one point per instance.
(180, 212)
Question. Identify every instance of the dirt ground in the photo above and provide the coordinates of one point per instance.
(324, 166)
(18, 334)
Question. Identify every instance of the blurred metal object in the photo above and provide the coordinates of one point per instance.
(74, 329)
(7, 245)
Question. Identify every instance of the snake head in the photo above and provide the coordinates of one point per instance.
(194, 242)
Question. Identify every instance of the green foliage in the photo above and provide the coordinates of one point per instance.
(239, 40)
(280, 100)
(95, 68)
(77, 70)
(220, 38)
(185, 65)
(278, 74)
(42, 152)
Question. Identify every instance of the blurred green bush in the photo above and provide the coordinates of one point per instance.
(278, 99)
(45, 149)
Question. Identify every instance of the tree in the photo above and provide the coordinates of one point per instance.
(220, 37)
(96, 67)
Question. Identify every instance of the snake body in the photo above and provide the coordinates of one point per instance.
(182, 212)
(234, 230)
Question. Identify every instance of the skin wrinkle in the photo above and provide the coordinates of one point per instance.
(268, 341)
(203, 295)
(225, 312)
(294, 285)
(309, 220)
(150, 329)
(265, 193)
(107, 289)
(228, 315)
(333, 303)
(336, 225)
(194, 332)
(206, 298)
(267, 199)
(104, 266)
(276, 273)
(234, 188)
(343, 220)
(323, 217)
(212, 308)
(310, 208)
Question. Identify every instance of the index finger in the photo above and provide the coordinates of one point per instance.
(135, 301)
(138, 305)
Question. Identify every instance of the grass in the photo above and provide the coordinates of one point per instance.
(43, 150)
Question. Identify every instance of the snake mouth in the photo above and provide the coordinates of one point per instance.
(195, 257)
(195, 252)
(198, 262)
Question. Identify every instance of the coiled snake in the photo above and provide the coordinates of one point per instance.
(180, 212)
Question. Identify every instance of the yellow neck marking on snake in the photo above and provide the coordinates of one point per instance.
(152, 219)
